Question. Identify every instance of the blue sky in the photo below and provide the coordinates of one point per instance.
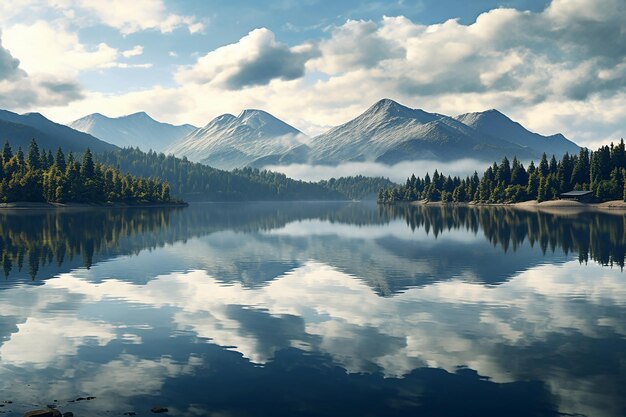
(556, 66)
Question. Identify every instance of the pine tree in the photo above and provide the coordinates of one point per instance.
(87, 165)
(33, 158)
(7, 154)
(553, 165)
(59, 160)
(544, 168)
(542, 190)
(532, 188)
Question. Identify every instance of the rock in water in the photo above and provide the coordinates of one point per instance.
(43, 413)
(159, 410)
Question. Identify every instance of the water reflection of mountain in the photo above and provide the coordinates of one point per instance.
(392, 248)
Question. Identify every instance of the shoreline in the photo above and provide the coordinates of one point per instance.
(552, 205)
(22, 205)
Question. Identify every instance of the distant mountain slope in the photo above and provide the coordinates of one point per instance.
(498, 125)
(134, 130)
(20, 129)
(390, 132)
(198, 182)
(229, 142)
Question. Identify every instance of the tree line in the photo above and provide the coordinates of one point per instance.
(199, 182)
(358, 187)
(41, 176)
(601, 172)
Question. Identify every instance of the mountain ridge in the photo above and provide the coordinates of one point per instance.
(390, 132)
(20, 129)
(137, 129)
(386, 132)
(229, 142)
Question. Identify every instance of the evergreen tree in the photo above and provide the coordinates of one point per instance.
(59, 160)
(33, 158)
(87, 165)
(553, 165)
(503, 174)
(542, 191)
(544, 168)
(7, 154)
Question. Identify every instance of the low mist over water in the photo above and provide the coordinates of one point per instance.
(397, 172)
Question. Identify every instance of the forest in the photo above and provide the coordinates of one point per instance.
(198, 182)
(40, 176)
(601, 172)
(358, 187)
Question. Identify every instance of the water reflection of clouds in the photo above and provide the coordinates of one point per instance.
(42, 341)
(316, 307)
(395, 228)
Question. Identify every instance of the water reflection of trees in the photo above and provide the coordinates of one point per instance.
(599, 236)
(44, 238)
(30, 241)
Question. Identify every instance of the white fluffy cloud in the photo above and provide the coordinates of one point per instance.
(135, 51)
(45, 48)
(9, 66)
(18, 89)
(256, 59)
(356, 44)
(126, 16)
(137, 15)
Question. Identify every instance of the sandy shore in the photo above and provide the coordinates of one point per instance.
(561, 206)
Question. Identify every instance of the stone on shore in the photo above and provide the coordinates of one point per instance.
(50, 412)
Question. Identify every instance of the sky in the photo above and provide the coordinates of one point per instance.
(554, 66)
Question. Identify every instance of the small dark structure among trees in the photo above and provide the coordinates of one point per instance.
(580, 196)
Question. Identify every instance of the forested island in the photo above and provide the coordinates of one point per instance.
(602, 172)
(41, 177)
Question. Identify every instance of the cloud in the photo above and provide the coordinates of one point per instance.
(130, 17)
(356, 44)
(127, 17)
(135, 51)
(18, 89)
(256, 59)
(44, 47)
(8, 65)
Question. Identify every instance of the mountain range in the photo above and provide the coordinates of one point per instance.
(20, 129)
(134, 130)
(387, 132)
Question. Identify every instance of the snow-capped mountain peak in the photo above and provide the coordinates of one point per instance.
(229, 142)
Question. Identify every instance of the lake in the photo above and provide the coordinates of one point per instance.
(313, 309)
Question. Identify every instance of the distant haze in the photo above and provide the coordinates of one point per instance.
(397, 172)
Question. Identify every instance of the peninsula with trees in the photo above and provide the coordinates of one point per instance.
(601, 172)
(41, 177)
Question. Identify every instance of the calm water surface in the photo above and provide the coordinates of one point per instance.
(313, 309)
